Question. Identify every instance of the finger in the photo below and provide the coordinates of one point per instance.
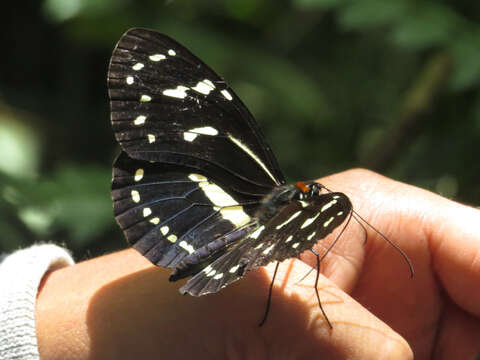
(458, 336)
(423, 224)
(295, 317)
(455, 247)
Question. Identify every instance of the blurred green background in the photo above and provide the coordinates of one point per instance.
(391, 85)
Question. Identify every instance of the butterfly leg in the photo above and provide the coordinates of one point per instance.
(269, 299)
(316, 290)
(315, 252)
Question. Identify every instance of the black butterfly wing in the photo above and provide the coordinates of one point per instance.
(168, 211)
(168, 106)
(298, 226)
(293, 230)
(195, 164)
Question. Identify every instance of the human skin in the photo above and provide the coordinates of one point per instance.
(119, 306)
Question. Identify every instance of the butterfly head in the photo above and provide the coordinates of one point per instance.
(308, 189)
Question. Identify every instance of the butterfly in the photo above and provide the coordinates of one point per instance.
(196, 187)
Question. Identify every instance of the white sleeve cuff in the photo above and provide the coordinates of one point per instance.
(20, 276)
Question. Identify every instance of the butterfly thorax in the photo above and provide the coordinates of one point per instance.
(283, 195)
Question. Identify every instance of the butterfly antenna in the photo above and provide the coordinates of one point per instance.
(395, 246)
(336, 239)
(269, 299)
(363, 227)
(338, 236)
(318, 296)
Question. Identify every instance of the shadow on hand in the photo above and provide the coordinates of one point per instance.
(143, 315)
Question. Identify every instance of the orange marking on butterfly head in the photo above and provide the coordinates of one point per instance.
(303, 187)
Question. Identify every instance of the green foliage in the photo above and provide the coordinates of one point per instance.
(318, 4)
(73, 202)
(393, 85)
(361, 15)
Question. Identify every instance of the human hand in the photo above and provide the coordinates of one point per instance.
(438, 311)
(120, 306)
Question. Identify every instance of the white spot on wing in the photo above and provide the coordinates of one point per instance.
(310, 237)
(192, 134)
(229, 208)
(253, 156)
(234, 269)
(204, 87)
(178, 92)
(145, 98)
(151, 138)
(155, 220)
(164, 230)
(226, 95)
(188, 136)
(278, 227)
(218, 276)
(216, 194)
(197, 177)
(186, 246)
(303, 203)
(268, 249)
(140, 120)
(326, 223)
(309, 221)
(138, 175)
(206, 130)
(211, 273)
(138, 66)
(259, 246)
(289, 239)
(147, 211)
(234, 214)
(157, 57)
(135, 196)
(209, 83)
(340, 213)
(257, 232)
(129, 80)
(172, 52)
(295, 245)
(328, 205)
(172, 238)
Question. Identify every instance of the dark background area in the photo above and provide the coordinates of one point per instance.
(390, 85)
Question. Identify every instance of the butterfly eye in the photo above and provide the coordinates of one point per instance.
(304, 188)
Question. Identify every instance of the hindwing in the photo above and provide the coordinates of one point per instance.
(167, 211)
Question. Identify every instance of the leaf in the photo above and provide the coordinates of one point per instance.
(466, 54)
(370, 13)
(318, 4)
(426, 26)
(75, 199)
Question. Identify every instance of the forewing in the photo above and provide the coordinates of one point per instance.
(296, 228)
(167, 106)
